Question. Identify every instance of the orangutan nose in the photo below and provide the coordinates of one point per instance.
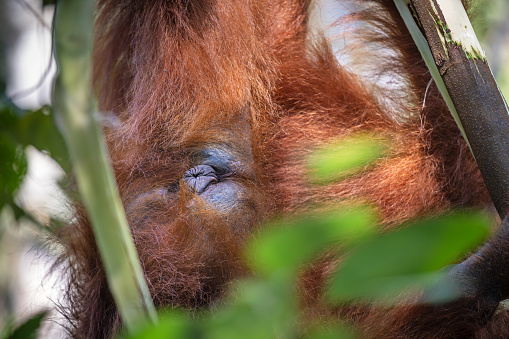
(200, 177)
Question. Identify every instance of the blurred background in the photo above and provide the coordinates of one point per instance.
(27, 71)
(32, 207)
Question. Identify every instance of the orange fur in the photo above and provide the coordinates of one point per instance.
(242, 76)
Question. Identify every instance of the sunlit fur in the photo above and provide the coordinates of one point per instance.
(245, 79)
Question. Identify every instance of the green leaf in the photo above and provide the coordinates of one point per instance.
(8, 320)
(288, 245)
(334, 331)
(35, 128)
(261, 309)
(38, 129)
(173, 325)
(48, 2)
(28, 329)
(13, 167)
(345, 157)
(8, 110)
(383, 267)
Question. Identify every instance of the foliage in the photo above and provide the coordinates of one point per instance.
(19, 129)
(345, 157)
(27, 330)
(383, 267)
(491, 26)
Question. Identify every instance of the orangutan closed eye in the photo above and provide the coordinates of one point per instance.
(220, 103)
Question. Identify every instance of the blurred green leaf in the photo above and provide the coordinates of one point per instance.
(28, 329)
(38, 129)
(35, 128)
(8, 109)
(173, 325)
(13, 164)
(261, 309)
(334, 331)
(288, 245)
(8, 319)
(13, 167)
(18, 129)
(48, 2)
(345, 157)
(383, 267)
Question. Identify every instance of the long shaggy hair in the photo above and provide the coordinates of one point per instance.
(192, 80)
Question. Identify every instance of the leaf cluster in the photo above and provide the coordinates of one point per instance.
(19, 129)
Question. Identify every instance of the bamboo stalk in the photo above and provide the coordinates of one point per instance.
(458, 65)
(76, 115)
